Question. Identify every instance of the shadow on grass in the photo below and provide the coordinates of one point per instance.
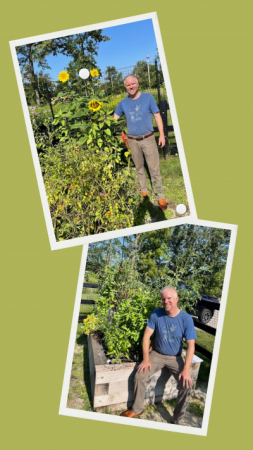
(83, 340)
(156, 214)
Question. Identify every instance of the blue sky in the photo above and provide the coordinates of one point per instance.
(129, 43)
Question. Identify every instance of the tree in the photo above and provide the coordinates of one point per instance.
(27, 56)
(113, 80)
(193, 254)
(41, 78)
(141, 71)
(200, 254)
(81, 47)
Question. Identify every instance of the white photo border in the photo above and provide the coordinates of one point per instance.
(145, 423)
(55, 245)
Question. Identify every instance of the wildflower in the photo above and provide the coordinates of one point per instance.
(94, 73)
(95, 105)
(63, 76)
(91, 227)
(99, 82)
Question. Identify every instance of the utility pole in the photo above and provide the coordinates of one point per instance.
(148, 70)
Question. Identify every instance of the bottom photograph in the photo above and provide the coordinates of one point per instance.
(147, 327)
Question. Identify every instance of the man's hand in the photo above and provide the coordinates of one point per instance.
(144, 365)
(185, 375)
(161, 141)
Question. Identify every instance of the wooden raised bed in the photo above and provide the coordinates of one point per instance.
(112, 384)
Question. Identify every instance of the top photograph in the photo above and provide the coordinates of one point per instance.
(103, 130)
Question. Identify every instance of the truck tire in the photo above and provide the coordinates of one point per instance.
(205, 315)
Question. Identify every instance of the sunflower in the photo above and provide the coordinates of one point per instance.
(94, 73)
(95, 105)
(63, 76)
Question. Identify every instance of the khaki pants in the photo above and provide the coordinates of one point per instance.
(148, 148)
(175, 364)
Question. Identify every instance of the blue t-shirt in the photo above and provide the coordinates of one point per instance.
(170, 331)
(138, 113)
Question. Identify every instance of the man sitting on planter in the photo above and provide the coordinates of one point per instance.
(171, 325)
(138, 108)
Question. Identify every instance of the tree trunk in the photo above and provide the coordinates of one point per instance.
(33, 78)
(137, 236)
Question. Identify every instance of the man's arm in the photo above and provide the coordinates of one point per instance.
(145, 364)
(116, 117)
(159, 124)
(185, 374)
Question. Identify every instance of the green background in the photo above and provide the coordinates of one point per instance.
(208, 48)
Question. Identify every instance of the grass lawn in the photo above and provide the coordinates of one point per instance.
(206, 340)
(174, 189)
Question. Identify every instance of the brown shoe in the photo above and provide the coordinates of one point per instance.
(162, 203)
(144, 194)
(130, 413)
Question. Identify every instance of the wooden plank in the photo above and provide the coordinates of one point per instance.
(92, 285)
(101, 389)
(152, 391)
(104, 400)
(112, 372)
(92, 367)
(128, 404)
(98, 352)
(203, 351)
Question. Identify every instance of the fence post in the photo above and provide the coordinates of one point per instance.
(157, 84)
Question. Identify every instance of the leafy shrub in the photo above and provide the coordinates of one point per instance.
(122, 311)
(89, 191)
(127, 299)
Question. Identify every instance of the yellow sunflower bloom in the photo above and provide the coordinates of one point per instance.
(94, 73)
(95, 105)
(63, 76)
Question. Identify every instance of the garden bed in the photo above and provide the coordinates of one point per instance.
(112, 384)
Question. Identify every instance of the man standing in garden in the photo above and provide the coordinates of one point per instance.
(171, 325)
(138, 108)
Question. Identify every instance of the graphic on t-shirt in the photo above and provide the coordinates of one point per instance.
(136, 114)
(169, 335)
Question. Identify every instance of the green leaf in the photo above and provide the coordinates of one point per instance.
(101, 125)
(82, 140)
(75, 126)
(108, 132)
